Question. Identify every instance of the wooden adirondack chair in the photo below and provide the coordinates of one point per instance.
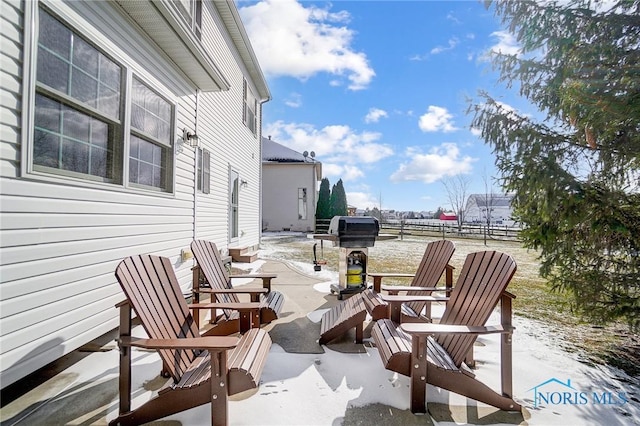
(211, 270)
(435, 353)
(202, 369)
(352, 312)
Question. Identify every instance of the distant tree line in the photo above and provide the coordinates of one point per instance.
(331, 202)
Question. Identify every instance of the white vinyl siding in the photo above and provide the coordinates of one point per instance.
(62, 235)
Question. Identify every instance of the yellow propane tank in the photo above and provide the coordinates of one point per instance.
(354, 275)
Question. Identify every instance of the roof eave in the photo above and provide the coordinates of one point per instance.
(163, 23)
(231, 18)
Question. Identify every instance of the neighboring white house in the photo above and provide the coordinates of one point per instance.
(496, 207)
(289, 188)
(100, 102)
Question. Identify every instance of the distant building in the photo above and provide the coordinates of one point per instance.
(448, 216)
(289, 194)
(496, 206)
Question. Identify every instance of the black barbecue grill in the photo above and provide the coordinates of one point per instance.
(354, 231)
(353, 235)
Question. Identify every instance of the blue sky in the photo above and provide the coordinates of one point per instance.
(379, 89)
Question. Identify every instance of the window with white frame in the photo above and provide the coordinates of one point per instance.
(80, 105)
(192, 11)
(302, 203)
(249, 116)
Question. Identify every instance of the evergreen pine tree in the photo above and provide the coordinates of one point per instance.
(574, 171)
(338, 200)
(323, 209)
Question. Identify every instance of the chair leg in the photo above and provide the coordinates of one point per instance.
(125, 360)
(419, 375)
(219, 386)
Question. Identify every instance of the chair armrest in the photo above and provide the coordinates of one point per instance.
(397, 288)
(240, 306)
(266, 278)
(254, 276)
(378, 276)
(210, 343)
(430, 329)
(239, 290)
(390, 274)
(393, 298)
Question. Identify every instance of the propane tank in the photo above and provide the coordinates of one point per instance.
(354, 273)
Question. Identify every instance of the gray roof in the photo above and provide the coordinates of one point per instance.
(273, 151)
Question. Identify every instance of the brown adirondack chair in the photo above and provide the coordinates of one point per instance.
(435, 353)
(202, 369)
(352, 312)
(211, 271)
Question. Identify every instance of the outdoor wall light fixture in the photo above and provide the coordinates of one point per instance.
(189, 138)
(244, 183)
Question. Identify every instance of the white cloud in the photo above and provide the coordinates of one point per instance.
(341, 150)
(292, 40)
(362, 200)
(453, 42)
(444, 160)
(475, 131)
(436, 119)
(294, 100)
(374, 115)
(506, 44)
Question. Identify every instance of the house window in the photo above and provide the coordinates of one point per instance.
(250, 107)
(192, 12)
(203, 178)
(78, 127)
(302, 203)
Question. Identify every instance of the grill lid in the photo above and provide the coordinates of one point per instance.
(354, 226)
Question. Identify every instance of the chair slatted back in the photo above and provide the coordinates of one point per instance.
(210, 262)
(482, 280)
(434, 261)
(150, 284)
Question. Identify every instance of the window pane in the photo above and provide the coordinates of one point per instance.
(133, 170)
(52, 71)
(82, 137)
(108, 101)
(137, 117)
(85, 57)
(147, 163)
(75, 156)
(75, 124)
(150, 113)
(99, 133)
(46, 149)
(83, 87)
(54, 36)
(146, 174)
(146, 152)
(99, 161)
(80, 74)
(47, 115)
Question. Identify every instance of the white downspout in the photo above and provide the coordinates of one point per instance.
(195, 172)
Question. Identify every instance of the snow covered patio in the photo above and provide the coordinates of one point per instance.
(305, 383)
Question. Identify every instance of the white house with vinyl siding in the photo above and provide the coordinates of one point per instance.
(97, 99)
(290, 188)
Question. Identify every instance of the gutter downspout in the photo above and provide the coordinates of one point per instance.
(195, 171)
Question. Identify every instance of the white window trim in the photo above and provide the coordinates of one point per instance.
(131, 69)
